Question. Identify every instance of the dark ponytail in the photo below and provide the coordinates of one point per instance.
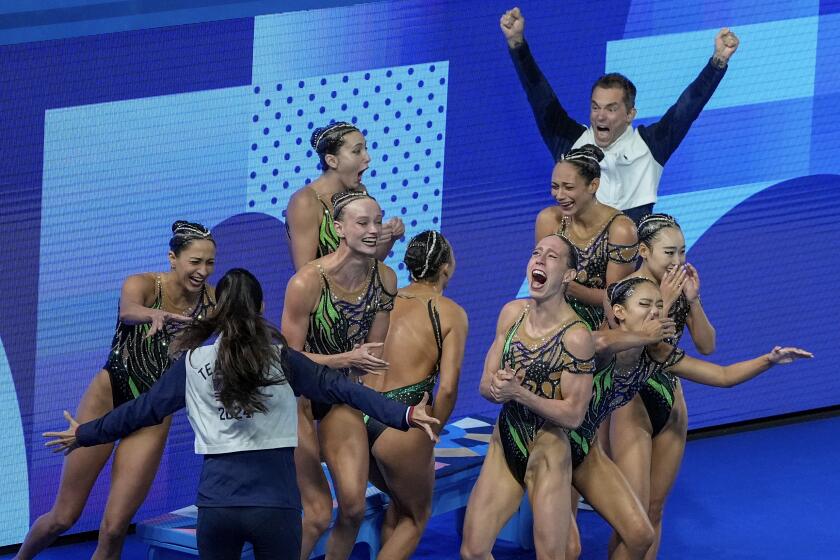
(248, 358)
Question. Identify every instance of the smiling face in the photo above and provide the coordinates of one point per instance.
(360, 225)
(350, 161)
(548, 269)
(631, 314)
(608, 115)
(665, 252)
(571, 190)
(194, 264)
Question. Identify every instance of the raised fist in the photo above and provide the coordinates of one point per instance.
(513, 27)
(726, 43)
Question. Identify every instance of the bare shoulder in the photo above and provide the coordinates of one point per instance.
(388, 277)
(548, 222)
(453, 315)
(305, 279)
(511, 311)
(623, 231)
(141, 288)
(579, 342)
(304, 200)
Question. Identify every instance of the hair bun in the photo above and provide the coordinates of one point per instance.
(178, 224)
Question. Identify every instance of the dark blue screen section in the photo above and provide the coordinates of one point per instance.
(110, 137)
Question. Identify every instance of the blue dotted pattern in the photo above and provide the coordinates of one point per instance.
(400, 110)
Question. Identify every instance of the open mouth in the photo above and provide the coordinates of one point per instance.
(369, 241)
(566, 204)
(362, 172)
(196, 281)
(538, 278)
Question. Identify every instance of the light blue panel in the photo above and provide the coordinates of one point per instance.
(656, 17)
(698, 211)
(116, 175)
(828, 53)
(313, 42)
(14, 484)
(775, 61)
(402, 112)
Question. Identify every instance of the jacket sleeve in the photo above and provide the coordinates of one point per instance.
(165, 397)
(322, 384)
(559, 131)
(664, 137)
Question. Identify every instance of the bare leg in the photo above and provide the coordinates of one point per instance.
(135, 466)
(668, 448)
(603, 486)
(78, 475)
(549, 483)
(494, 499)
(407, 465)
(573, 546)
(314, 489)
(344, 444)
(631, 450)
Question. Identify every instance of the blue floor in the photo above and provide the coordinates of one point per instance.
(769, 494)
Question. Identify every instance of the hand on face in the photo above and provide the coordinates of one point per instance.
(672, 284)
(691, 288)
(656, 329)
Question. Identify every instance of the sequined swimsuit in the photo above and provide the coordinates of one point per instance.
(544, 362)
(412, 394)
(593, 259)
(611, 390)
(135, 361)
(658, 393)
(336, 325)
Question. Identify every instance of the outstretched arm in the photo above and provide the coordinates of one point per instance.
(558, 129)
(665, 136)
(708, 373)
(164, 398)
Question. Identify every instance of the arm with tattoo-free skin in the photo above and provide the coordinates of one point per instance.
(136, 298)
(492, 361)
(707, 373)
(452, 355)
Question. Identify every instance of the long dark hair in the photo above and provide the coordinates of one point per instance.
(248, 358)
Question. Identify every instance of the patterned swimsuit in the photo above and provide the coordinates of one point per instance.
(336, 325)
(658, 392)
(544, 362)
(593, 259)
(135, 361)
(611, 390)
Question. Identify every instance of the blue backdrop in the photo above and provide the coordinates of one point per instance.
(108, 137)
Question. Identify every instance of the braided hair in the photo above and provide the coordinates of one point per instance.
(426, 253)
(587, 160)
(341, 199)
(329, 139)
(652, 224)
(621, 291)
(184, 233)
